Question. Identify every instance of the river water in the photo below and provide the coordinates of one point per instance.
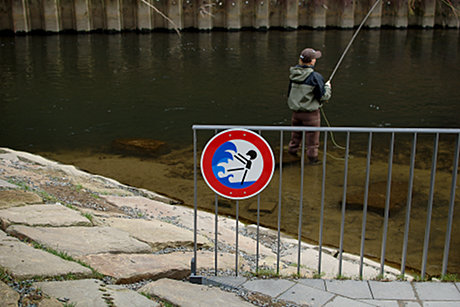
(68, 97)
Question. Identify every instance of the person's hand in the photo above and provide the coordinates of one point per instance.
(328, 83)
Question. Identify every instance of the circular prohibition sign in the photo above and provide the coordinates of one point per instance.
(237, 163)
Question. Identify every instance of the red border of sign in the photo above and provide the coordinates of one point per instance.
(237, 134)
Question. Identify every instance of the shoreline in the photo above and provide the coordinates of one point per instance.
(92, 183)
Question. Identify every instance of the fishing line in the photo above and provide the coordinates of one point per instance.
(340, 62)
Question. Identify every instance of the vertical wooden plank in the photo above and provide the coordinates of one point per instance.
(275, 15)
(291, 14)
(220, 17)
(175, 13)
(248, 14)
(205, 14)
(97, 13)
(261, 14)
(113, 15)
(19, 15)
(67, 14)
(348, 14)
(144, 17)
(190, 13)
(233, 14)
(340, 13)
(6, 22)
(51, 16)
(158, 20)
(429, 12)
(316, 12)
(445, 16)
(375, 19)
(82, 15)
(128, 14)
(34, 14)
(395, 13)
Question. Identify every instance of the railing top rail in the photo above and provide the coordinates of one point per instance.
(333, 129)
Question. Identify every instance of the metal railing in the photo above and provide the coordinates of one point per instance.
(348, 130)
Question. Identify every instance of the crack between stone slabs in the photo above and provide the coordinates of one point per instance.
(295, 283)
(370, 289)
(417, 298)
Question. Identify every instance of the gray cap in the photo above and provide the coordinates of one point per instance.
(309, 54)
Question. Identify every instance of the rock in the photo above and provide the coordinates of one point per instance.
(49, 302)
(9, 297)
(159, 235)
(187, 294)
(184, 216)
(93, 293)
(14, 198)
(23, 261)
(377, 197)
(138, 146)
(265, 206)
(42, 215)
(128, 268)
(76, 241)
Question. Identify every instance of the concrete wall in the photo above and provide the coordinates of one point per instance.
(118, 15)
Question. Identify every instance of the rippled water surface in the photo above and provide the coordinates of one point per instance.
(69, 97)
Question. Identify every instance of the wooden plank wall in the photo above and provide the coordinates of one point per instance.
(119, 15)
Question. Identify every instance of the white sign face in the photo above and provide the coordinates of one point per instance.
(237, 163)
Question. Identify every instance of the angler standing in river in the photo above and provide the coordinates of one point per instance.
(307, 92)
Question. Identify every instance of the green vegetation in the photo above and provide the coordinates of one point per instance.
(318, 275)
(21, 184)
(267, 273)
(342, 277)
(89, 216)
(69, 305)
(65, 256)
(450, 278)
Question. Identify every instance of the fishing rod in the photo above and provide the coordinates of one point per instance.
(340, 62)
(352, 39)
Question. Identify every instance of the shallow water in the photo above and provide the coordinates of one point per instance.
(69, 97)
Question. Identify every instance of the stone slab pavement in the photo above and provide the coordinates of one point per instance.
(93, 293)
(343, 293)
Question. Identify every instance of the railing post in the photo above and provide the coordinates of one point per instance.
(302, 166)
(344, 200)
(366, 194)
(451, 208)
(321, 218)
(387, 206)
(409, 204)
(430, 207)
(279, 204)
(193, 277)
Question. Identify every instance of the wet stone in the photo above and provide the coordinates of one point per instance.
(377, 197)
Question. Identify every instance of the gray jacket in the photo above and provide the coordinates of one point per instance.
(307, 90)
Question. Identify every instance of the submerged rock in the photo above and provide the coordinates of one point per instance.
(377, 197)
(139, 146)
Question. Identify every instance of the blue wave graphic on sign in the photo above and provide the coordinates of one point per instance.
(222, 159)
